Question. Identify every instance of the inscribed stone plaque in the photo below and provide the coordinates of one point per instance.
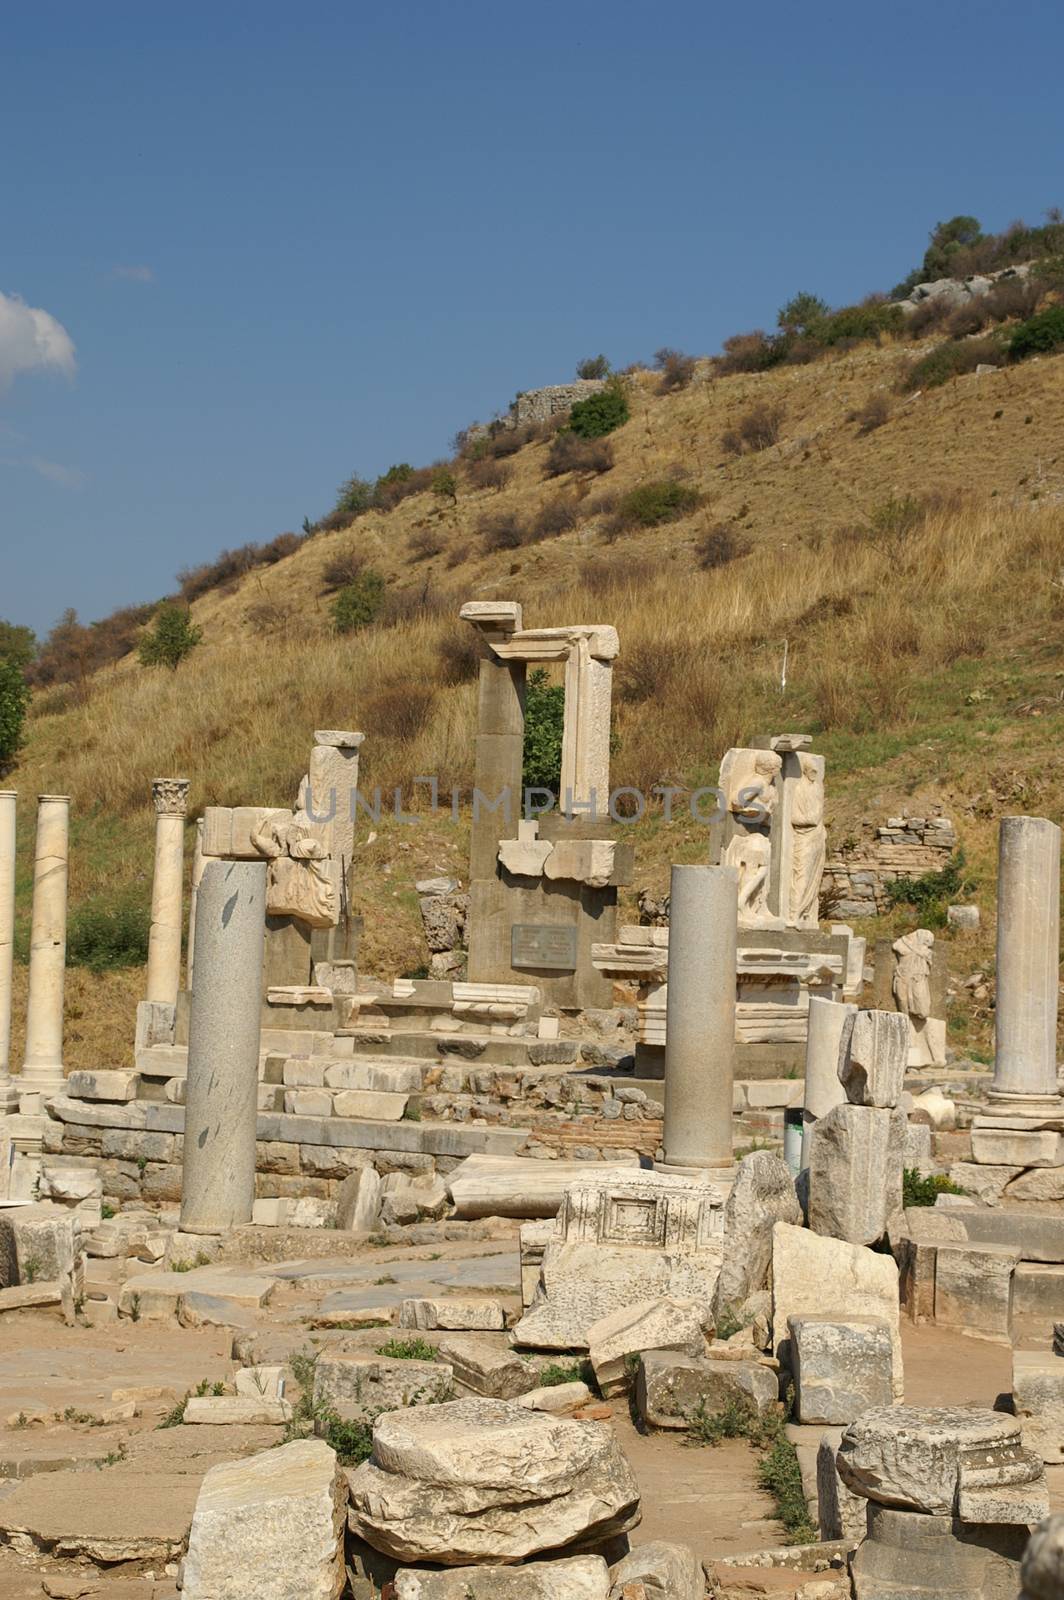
(543, 944)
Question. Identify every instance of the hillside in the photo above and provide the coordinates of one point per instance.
(915, 572)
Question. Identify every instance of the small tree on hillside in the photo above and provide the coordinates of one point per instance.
(593, 367)
(172, 637)
(802, 313)
(14, 698)
(17, 643)
(359, 603)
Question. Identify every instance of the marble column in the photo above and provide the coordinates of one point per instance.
(170, 798)
(1028, 970)
(823, 1088)
(8, 1090)
(221, 1097)
(700, 1017)
(42, 1072)
(199, 861)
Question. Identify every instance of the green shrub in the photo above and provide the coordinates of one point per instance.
(579, 1370)
(172, 637)
(593, 367)
(917, 1190)
(359, 602)
(444, 484)
(408, 1350)
(661, 500)
(353, 497)
(1039, 334)
(952, 360)
(780, 1475)
(868, 321)
(14, 698)
(752, 352)
(105, 934)
(352, 1441)
(17, 643)
(803, 313)
(544, 716)
(930, 894)
(600, 413)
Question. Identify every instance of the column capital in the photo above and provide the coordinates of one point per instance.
(170, 796)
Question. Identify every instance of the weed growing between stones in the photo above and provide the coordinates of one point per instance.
(917, 1190)
(778, 1472)
(556, 1372)
(407, 1350)
(175, 1417)
(352, 1441)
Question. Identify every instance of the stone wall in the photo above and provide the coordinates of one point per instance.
(539, 405)
(904, 847)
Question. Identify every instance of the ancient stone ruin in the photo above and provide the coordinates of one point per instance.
(593, 1269)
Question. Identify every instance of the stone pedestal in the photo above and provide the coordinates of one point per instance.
(1028, 953)
(42, 1072)
(8, 1091)
(823, 1087)
(170, 798)
(221, 1101)
(700, 1020)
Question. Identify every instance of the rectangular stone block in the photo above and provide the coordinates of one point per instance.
(361, 1386)
(490, 1369)
(108, 1086)
(400, 1078)
(1017, 1147)
(303, 1073)
(840, 1368)
(810, 1273)
(1038, 1400)
(1038, 1293)
(121, 1145)
(873, 1053)
(856, 1157)
(237, 1410)
(308, 1103)
(369, 1105)
(452, 1314)
(973, 1288)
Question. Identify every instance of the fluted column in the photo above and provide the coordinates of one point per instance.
(170, 798)
(42, 1072)
(1028, 970)
(8, 1091)
(700, 1016)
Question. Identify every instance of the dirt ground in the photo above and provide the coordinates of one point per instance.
(134, 1479)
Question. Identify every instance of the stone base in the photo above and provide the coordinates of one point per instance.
(908, 1555)
(1046, 1109)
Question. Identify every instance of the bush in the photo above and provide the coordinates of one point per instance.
(593, 367)
(557, 516)
(971, 317)
(488, 474)
(402, 708)
(412, 1349)
(425, 543)
(651, 504)
(676, 369)
(544, 716)
(1039, 334)
(600, 413)
(352, 499)
(17, 643)
(14, 699)
(578, 1370)
(917, 1190)
(803, 313)
(173, 637)
(751, 352)
(757, 430)
(341, 569)
(930, 894)
(359, 602)
(108, 933)
(71, 651)
(719, 545)
(460, 654)
(868, 321)
(570, 453)
(503, 532)
(953, 360)
(873, 414)
(444, 484)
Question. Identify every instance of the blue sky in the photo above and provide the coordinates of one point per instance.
(276, 244)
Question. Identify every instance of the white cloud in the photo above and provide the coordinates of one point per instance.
(55, 472)
(134, 274)
(32, 340)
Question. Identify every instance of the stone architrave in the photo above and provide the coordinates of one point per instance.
(823, 1087)
(8, 1090)
(270, 1525)
(221, 1096)
(42, 1071)
(170, 799)
(476, 1481)
(644, 1236)
(700, 1026)
(1028, 958)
